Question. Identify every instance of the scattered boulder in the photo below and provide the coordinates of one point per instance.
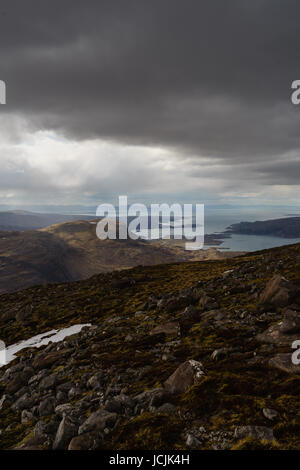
(17, 382)
(213, 316)
(64, 410)
(284, 362)
(279, 292)
(219, 354)
(191, 314)
(119, 404)
(207, 303)
(48, 382)
(44, 430)
(166, 408)
(66, 430)
(86, 441)
(192, 442)
(274, 335)
(26, 416)
(291, 322)
(95, 382)
(169, 329)
(98, 421)
(25, 401)
(46, 406)
(154, 397)
(269, 413)
(187, 374)
(174, 304)
(257, 432)
(45, 360)
(4, 401)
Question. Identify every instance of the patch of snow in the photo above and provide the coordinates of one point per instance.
(9, 354)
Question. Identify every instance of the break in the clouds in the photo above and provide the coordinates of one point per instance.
(107, 96)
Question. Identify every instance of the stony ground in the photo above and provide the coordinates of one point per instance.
(192, 355)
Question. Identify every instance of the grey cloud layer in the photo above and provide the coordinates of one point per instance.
(205, 78)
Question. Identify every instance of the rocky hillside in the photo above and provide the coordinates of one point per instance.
(179, 356)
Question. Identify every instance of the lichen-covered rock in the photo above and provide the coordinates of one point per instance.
(187, 374)
(257, 432)
(274, 335)
(284, 362)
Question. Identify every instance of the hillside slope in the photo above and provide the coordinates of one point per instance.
(179, 356)
(67, 252)
(71, 251)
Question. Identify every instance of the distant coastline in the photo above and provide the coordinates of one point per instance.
(284, 228)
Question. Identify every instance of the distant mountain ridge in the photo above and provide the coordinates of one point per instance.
(286, 228)
(25, 220)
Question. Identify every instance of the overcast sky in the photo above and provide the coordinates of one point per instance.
(182, 98)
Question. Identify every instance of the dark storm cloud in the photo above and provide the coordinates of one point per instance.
(203, 77)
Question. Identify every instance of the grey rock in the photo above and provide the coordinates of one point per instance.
(46, 407)
(166, 408)
(4, 401)
(74, 392)
(25, 401)
(43, 429)
(219, 354)
(291, 322)
(48, 382)
(61, 397)
(64, 409)
(284, 362)
(65, 387)
(98, 421)
(192, 442)
(95, 382)
(67, 429)
(269, 413)
(258, 432)
(86, 441)
(187, 374)
(278, 292)
(26, 416)
(154, 397)
(119, 403)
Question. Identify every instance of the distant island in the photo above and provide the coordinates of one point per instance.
(286, 228)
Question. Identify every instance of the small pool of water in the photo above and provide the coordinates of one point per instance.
(54, 336)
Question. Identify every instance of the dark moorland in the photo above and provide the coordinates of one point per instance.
(189, 355)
